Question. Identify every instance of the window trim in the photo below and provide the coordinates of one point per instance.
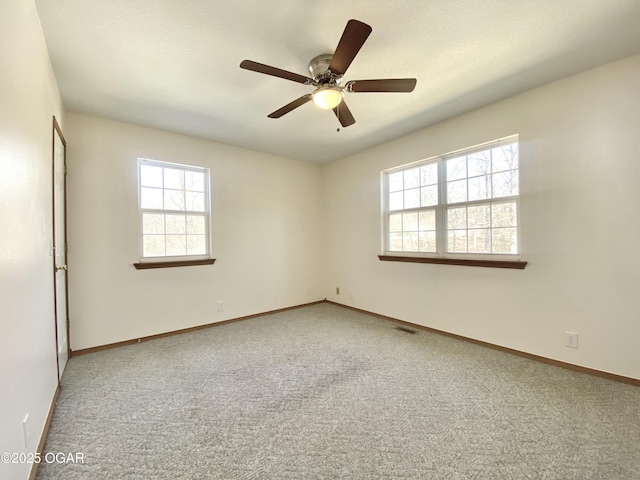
(174, 260)
(170, 264)
(469, 262)
(441, 256)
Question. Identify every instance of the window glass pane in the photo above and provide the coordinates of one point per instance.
(396, 200)
(505, 184)
(173, 188)
(429, 174)
(479, 216)
(410, 241)
(196, 245)
(457, 241)
(457, 191)
(153, 246)
(412, 198)
(175, 223)
(504, 215)
(151, 198)
(504, 158)
(479, 188)
(395, 222)
(427, 241)
(395, 182)
(479, 163)
(195, 224)
(456, 168)
(150, 176)
(429, 196)
(194, 181)
(174, 200)
(427, 220)
(174, 178)
(479, 240)
(176, 245)
(412, 178)
(395, 242)
(152, 223)
(194, 201)
(504, 240)
(456, 218)
(473, 222)
(410, 222)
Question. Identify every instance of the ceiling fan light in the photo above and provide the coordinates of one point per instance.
(327, 97)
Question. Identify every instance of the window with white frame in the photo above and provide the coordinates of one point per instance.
(460, 204)
(174, 211)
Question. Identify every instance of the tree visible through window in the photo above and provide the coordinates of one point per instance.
(174, 210)
(463, 203)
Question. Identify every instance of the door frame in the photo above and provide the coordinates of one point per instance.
(58, 131)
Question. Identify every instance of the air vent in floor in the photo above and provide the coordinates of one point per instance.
(405, 330)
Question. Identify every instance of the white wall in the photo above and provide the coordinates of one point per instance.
(579, 183)
(580, 189)
(28, 100)
(266, 236)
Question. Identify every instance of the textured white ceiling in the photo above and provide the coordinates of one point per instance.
(174, 64)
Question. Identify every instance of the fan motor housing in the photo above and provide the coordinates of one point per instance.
(319, 69)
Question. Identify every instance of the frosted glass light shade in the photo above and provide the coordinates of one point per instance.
(327, 97)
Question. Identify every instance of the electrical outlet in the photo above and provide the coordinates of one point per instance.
(26, 430)
(220, 306)
(571, 339)
(337, 290)
(308, 290)
(351, 294)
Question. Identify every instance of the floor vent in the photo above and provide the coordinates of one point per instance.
(405, 330)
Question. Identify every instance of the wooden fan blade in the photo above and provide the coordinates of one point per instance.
(344, 114)
(399, 85)
(290, 106)
(275, 72)
(353, 37)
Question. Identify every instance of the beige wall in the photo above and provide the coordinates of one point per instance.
(264, 223)
(28, 100)
(580, 176)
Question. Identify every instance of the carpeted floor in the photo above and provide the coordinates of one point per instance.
(323, 392)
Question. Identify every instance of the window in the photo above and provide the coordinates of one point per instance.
(174, 211)
(463, 204)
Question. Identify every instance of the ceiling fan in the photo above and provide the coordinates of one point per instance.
(327, 71)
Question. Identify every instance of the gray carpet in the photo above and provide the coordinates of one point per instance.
(324, 392)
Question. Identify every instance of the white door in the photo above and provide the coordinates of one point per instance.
(60, 247)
